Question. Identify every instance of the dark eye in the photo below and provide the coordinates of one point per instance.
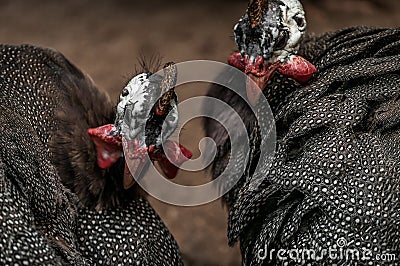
(125, 92)
(300, 21)
(282, 40)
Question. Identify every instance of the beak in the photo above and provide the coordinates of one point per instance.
(258, 73)
(136, 158)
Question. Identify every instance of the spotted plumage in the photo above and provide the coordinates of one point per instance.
(334, 175)
(54, 199)
(133, 235)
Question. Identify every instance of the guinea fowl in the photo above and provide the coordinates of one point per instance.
(333, 183)
(57, 205)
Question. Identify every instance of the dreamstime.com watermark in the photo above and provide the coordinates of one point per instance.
(338, 252)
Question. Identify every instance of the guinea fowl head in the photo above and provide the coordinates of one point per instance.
(268, 37)
(147, 115)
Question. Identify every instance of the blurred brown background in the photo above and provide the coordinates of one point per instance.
(103, 39)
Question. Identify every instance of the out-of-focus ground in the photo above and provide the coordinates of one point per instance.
(103, 39)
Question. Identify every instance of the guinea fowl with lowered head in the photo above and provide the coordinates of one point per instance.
(332, 183)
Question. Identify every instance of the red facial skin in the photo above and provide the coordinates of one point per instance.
(110, 147)
(260, 72)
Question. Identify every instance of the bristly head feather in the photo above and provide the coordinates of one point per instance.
(148, 62)
(254, 11)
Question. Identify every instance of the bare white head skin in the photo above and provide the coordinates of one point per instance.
(293, 19)
(135, 112)
(134, 95)
(271, 29)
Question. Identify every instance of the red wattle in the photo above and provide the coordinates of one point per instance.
(108, 145)
(178, 155)
(298, 68)
(105, 133)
